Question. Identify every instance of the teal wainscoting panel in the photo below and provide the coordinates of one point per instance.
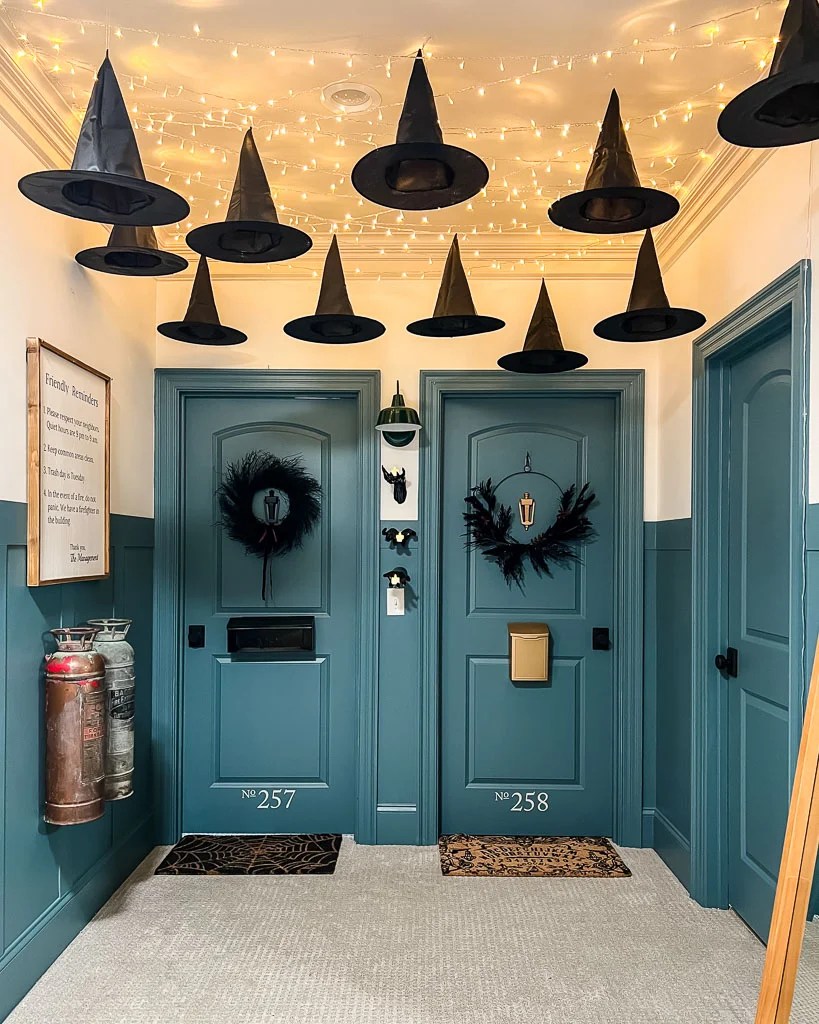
(667, 766)
(399, 712)
(53, 880)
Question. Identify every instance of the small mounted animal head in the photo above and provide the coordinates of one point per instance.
(397, 478)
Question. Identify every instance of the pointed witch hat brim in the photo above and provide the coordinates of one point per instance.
(131, 252)
(106, 182)
(612, 200)
(454, 315)
(420, 171)
(200, 325)
(543, 350)
(782, 109)
(334, 322)
(649, 316)
(251, 232)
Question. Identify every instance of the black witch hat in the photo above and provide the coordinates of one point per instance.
(454, 315)
(334, 322)
(419, 172)
(613, 201)
(106, 181)
(201, 325)
(131, 252)
(250, 233)
(783, 108)
(543, 350)
(649, 315)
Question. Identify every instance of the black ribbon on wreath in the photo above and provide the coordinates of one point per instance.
(276, 534)
(489, 530)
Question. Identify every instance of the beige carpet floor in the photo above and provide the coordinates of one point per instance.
(388, 940)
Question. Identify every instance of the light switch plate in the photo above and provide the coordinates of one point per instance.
(395, 601)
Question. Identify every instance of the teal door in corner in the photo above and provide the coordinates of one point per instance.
(532, 758)
(269, 742)
(758, 610)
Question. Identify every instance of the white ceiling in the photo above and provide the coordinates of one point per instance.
(196, 73)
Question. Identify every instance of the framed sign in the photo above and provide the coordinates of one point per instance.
(69, 415)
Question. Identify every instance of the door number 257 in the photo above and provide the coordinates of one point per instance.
(525, 802)
(270, 799)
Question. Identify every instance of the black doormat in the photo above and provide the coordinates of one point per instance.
(252, 855)
(531, 857)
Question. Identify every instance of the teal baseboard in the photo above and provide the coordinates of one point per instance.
(53, 880)
(671, 845)
(34, 951)
(397, 825)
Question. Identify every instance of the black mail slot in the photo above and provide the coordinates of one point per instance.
(268, 635)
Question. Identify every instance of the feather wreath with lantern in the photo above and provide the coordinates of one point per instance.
(291, 506)
(489, 530)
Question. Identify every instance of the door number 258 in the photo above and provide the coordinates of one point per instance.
(525, 802)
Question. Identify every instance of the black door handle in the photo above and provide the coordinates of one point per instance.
(727, 662)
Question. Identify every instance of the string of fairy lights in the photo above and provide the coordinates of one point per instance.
(534, 161)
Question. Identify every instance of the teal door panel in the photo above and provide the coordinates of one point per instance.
(527, 758)
(759, 474)
(269, 741)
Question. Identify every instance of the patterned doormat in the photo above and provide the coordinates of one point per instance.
(252, 855)
(531, 857)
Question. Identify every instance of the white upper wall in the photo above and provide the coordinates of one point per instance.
(762, 231)
(261, 307)
(106, 321)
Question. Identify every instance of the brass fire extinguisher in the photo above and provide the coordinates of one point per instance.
(75, 728)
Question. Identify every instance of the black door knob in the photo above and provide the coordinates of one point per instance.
(727, 662)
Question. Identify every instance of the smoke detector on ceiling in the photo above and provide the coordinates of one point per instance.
(350, 97)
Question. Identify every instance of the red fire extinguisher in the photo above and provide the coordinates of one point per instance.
(75, 728)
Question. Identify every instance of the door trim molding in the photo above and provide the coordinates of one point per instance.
(173, 387)
(746, 327)
(627, 388)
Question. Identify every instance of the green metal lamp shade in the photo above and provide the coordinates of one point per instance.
(399, 423)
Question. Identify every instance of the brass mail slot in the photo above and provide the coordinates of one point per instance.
(528, 652)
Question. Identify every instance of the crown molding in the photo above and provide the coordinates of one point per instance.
(364, 257)
(33, 109)
(706, 192)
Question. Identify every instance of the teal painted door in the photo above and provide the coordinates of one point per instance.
(527, 758)
(269, 742)
(759, 537)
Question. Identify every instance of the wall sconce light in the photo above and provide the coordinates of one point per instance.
(398, 423)
(397, 578)
(399, 537)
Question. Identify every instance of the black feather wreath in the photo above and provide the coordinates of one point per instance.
(261, 471)
(489, 530)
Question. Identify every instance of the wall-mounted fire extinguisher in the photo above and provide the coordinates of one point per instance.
(118, 654)
(75, 728)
